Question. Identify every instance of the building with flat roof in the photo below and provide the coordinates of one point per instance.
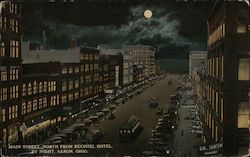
(226, 109)
(10, 73)
(196, 59)
(142, 56)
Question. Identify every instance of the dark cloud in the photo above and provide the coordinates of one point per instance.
(173, 30)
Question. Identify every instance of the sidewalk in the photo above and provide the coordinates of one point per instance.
(185, 142)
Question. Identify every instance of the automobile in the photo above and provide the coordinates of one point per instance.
(95, 135)
(26, 154)
(100, 115)
(57, 142)
(88, 122)
(70, 134)
(153, 103)
(159, 111)
(55, 138)
(124, 99)
(170, 81)
(130, 95)
(163, 129)
(112, 112)
(106, 111)
(94, 119)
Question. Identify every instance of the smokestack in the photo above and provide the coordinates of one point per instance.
(45, 47)
(73, 44)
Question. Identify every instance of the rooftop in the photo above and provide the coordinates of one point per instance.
(43, 56)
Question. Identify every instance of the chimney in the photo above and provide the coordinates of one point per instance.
(72, 44)
(45, 47)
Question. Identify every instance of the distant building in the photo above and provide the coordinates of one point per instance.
(196, 59)
(226, 109)
(139, 73)
(127, 67)
(143, 55)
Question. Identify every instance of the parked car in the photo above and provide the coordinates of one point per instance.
(153, 103)
(95, 135)
(94, 119)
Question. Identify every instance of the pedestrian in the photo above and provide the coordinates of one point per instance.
(182, 132)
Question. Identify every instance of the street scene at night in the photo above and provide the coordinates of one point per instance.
(124, 78)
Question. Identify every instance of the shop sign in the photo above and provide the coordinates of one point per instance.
(210, 149)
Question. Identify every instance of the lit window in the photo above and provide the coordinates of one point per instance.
(34, 87)
(3, 115)
(64, 85)
(64, 70)
(34, 104)
(243, 114)
(40, 103)
(241, 29)
(3, 72)
(45, 86)
(40, 87)
(29, 89)
(29, 107)
(244, 69)
(2, 48)
(23, 108)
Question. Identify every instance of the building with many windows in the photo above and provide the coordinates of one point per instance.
(74, 74)
(40, 95)
(226, 106)
(196, 59)
(142, 56)
(10, 72)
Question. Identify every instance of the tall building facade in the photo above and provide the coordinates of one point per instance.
(127, 67)
(143, 56)
(196, 59)
(226, 108)
(10, 72)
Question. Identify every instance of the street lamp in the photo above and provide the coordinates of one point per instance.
(37, 128)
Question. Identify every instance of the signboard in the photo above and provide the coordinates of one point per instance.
(212, 149)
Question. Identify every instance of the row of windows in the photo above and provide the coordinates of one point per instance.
(216, 66)
(89, 56)
(14, 92)
(217, 34)
(13, 110)
(87, 67)
(14, 25)
(40, 87)
(13, 8)
(3, 94)
(14, 49)
(37, 104)
(215, 100)
(14, 73)
(71, 84)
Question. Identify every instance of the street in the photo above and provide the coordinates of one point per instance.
(139, 107)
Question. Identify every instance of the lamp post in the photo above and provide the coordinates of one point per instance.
(37, 128)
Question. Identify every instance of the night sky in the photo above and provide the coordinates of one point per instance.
(174, 29)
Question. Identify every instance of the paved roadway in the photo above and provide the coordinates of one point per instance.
(139, 107)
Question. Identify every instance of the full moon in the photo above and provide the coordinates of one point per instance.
(148, 14)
